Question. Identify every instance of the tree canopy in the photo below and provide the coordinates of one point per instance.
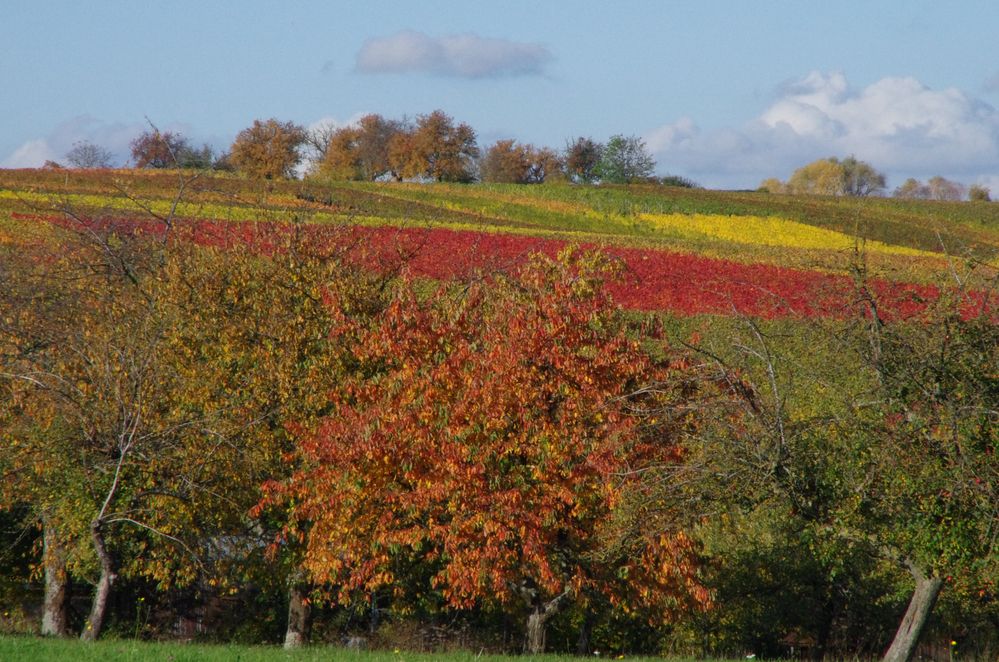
(268, 149)
(831, 176)
(623, 160)
(487, 433)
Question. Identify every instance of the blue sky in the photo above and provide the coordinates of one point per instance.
(726, 93)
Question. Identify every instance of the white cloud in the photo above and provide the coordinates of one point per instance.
(114, 137)
(462, 56)
(898, 124)
(31, 154)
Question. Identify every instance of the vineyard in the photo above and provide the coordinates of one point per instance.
(634, 419)
(685, 251)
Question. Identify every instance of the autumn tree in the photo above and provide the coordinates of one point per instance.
(928, 436)
(260, 357)
(822, 177)
(834, 177)
(979, 193)
(436, 149)
(623, 160)
(860, 179)
(491, 433)
(505, 162)
(582, 156)
(268, 149)
(361, 151)
(86, 154)
(89, 399)
(912, 189)
(772, 185)
(941, 188)
(897, 467)
(546, 165)
(376, 134)
(317, 141)
(508, 162)
(341, 159)
(153, 149)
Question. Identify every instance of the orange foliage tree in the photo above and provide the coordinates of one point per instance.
(268, 150)
(506, 161)
(495, 435)
(436, 148)
(360, 152)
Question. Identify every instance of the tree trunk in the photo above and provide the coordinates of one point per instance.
(536, 632)
(54, 617)
(536, 621)
(299, 617)
(824, 632)
(98, 609)
(903, 647)
(585, 629)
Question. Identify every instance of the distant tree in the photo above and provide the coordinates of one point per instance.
(913, 189)
(581, 159)
(547, 165)
(153, 149)
(509, 162)
(979, 193)
(223, 162)
(677, 181)
(342, 158)
(202, 158)
(434, 149)
(360, 151)
(317, 141)
(505, 161)
(376, 133)
(821, 177)
(772, 185)
(942, 188)
(52, 165)
(624, 160)
(831, 176)
(268, 149)
(860, 178)
(86, 154)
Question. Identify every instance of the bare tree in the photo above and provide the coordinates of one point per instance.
(86, 154)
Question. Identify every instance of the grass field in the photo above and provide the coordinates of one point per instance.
(34, 649)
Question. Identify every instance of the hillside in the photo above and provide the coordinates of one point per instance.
(686, 251)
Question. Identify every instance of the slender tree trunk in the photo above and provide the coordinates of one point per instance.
(585, 629)
(299, 617)
(54, 618)
(903, 647)
(98, 609)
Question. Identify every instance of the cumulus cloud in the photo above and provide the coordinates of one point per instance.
(463, 56)
(114, 137)
(898, 124)
(332, 123)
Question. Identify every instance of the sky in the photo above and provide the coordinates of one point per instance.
(726, 93)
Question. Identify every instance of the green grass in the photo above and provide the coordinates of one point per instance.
(36, 649)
